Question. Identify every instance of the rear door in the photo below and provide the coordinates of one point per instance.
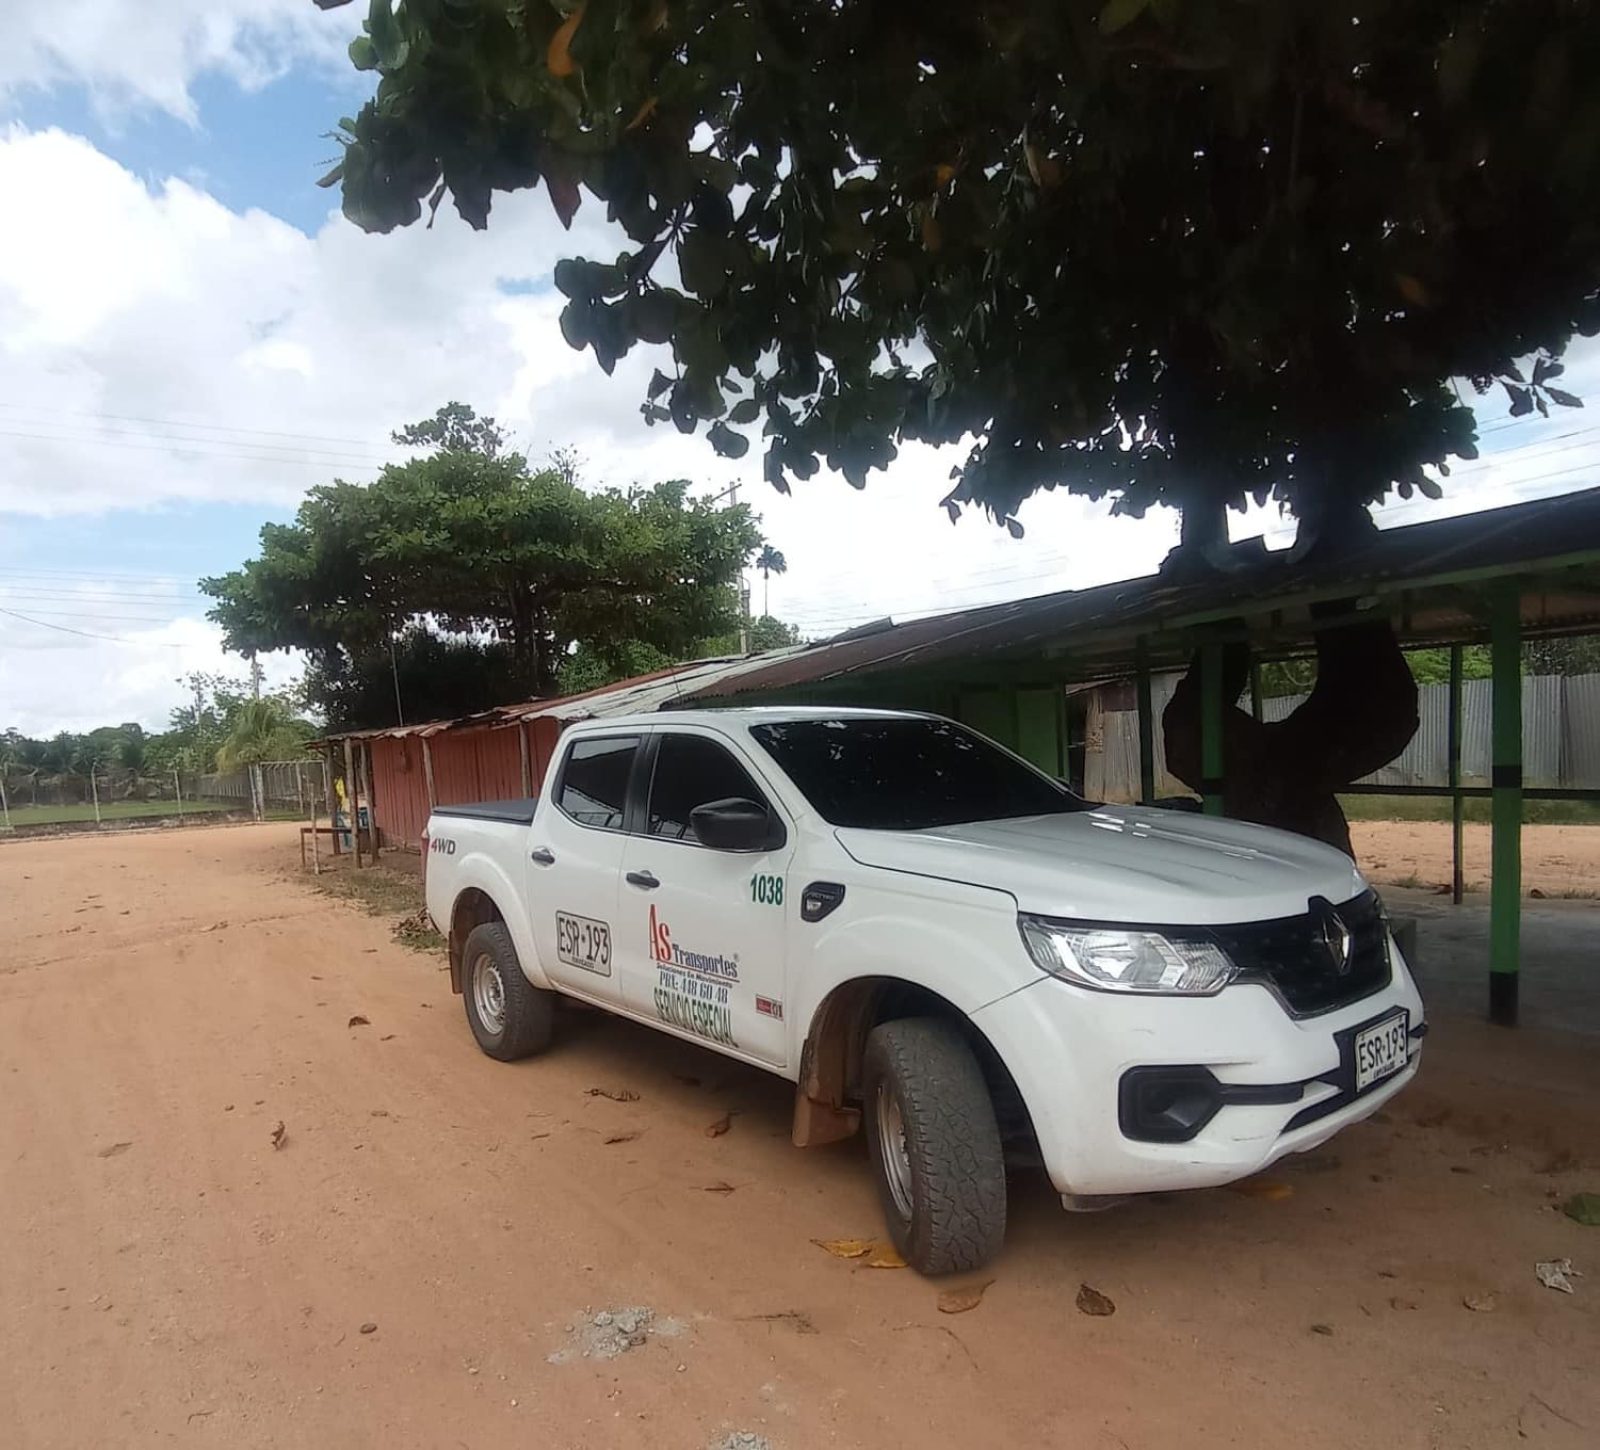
(575, 864)
(702, 947)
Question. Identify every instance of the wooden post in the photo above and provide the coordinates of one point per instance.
(527, 765)
(316, 851)
(1457, 804)
(177, 790)
(427, 772)
(1211, 703)
(352, 807)
(5, 805)
(366, 790)
(1147, 728)
(1505, 780)
(94, 790)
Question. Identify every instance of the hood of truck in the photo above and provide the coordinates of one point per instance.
(1123, 864)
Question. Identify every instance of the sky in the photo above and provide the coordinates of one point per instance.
(191, 336)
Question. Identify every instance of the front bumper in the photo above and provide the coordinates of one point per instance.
(1288, 1083)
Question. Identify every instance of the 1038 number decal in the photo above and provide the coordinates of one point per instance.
(766, 890)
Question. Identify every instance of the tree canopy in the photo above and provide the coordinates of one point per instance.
(1169, 251)
(470, 540)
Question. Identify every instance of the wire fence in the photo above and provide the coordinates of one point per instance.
(280, 789)
(1560, 738)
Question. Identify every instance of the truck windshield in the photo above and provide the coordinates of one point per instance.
(906, 774)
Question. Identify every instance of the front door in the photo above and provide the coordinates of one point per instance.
(703, 950)
(575, 865)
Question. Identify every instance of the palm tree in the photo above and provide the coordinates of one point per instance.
(769, 561)
(264, 729)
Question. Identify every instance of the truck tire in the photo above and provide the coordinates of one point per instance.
(510, 1017)
(935, 1147)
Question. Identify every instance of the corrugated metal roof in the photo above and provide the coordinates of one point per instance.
(1100, 626)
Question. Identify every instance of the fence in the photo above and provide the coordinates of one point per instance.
(1560, 738)
(39, 797)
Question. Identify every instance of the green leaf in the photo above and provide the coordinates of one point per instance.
(363, 56)
(728, 443)
(1583, 1208)
(659, 383)
(652, 315)
(746, 410)
(333, 177)
(702, 263)
(1120, 13)
(1566, 399)
(577, 322)
(572, 278)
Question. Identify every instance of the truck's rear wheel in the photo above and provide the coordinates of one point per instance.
(935, 1146)
(509, 1016)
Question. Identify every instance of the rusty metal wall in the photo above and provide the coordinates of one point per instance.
(399, 789)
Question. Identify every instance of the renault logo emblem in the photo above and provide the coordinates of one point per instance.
(1330, 930)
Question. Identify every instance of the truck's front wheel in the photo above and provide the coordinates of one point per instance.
(935, 1145)
(509, 1016)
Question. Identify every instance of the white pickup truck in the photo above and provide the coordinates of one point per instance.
(917, 927)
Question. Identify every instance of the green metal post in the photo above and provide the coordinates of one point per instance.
(1257, 704)
(1211, 703)
(1147, 728)
(1457, 803)
(1505, 886)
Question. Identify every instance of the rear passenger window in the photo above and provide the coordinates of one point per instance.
(594, 781)
(693, 771)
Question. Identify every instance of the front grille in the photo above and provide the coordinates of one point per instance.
(1291, 955)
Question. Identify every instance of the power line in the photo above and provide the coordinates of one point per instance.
(99, 575)
(180, 423)
(86, 634)
(181, 446)
(99, 614)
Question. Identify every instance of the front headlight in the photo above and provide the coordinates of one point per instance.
(1117, 960)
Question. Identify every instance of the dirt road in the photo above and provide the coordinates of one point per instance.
(1556, 860)
(168, 1276)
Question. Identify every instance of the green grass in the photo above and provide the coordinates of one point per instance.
(1437, 808)
(109, 811)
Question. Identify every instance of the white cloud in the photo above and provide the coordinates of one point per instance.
(55, 677)
(130, 54)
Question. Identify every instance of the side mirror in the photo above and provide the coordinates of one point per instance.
(736, 825)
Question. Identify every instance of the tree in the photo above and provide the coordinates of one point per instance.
(440, 676)
(769, 561)
(473, 541)
(1169, 251)
(263, 729)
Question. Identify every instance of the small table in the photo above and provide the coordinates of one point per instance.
(335, 831)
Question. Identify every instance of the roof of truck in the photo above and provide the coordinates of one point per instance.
(743, 716)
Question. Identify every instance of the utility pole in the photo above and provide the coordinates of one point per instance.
(255, 676)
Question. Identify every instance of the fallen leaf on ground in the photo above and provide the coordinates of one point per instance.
(380, 1113)
(1271, 1190)
(1322, 1329)
(279, 1134)
(1402, 1304)
(958, 1301)
(216, 926)
(846, 1248)
(1557, 1274)
(622, 1137)
(885, 1256)
(721, 1126)
(1583, 1208)
(718, 1188)
(1479, 1303)
(369, 1328)
(115, 1149)
(617, 1095)
(1092, 1301)
(796, 1319)
(358, 1021)
(387, 1037)
(1536, 894)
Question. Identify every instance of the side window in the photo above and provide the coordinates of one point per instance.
(693, 771)
(594, 780)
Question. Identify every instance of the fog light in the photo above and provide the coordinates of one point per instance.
(1166, 1104)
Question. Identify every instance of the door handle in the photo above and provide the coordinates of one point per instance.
(542, 856)
(646, 880)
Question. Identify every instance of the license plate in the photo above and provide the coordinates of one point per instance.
(1382, 1049)
(583, 942)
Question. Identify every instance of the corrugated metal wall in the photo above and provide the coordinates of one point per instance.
(1560, 738)
(468, 765)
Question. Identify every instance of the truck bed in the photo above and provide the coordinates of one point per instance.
(517, 812)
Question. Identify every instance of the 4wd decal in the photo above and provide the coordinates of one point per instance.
(692, 987)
